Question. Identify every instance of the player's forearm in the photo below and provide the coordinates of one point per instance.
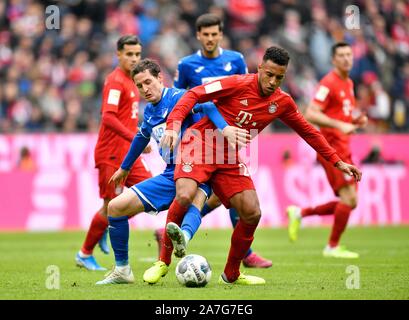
(138, 144)
(181, 111)
(321, 119)
(110, 120)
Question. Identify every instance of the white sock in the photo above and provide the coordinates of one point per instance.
(124, 269)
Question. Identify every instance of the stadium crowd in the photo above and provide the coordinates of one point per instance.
(52, 79)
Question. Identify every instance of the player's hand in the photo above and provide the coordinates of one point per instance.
(350, 170)
(169, 139)
(236, 136)
(119, 177)
(347, 127)
(148, 149)
(361, 121)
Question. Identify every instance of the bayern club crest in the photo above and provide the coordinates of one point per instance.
(187, 167)
(272, 108)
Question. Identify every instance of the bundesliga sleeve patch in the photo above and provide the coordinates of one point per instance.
(113, 96)
(213, 87)
(322, 93)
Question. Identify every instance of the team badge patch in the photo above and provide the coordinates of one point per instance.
(187, 167)
(272, 108)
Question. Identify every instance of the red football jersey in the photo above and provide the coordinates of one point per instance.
(120, 96)
(336, 98)
(239, 101)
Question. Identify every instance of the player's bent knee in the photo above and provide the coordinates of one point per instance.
(185, 196)
(352, 202)
(114, 209)
(251, 215)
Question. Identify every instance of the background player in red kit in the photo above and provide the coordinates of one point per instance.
(119, 125)
(332, 110)
(249, 101)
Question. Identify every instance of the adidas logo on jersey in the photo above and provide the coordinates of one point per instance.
(244, 102)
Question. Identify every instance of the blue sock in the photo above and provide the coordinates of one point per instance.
(119, 236)
(191, 221)
(206, 209)
(234, 217)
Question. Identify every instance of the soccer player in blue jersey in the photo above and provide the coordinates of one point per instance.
(208, 64)
(157, 193)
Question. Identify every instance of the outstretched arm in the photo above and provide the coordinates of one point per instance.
(316, 140)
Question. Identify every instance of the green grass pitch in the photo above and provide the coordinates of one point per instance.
(299, 270)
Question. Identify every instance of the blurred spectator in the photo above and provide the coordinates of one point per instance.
(51, 80)
(26, 162)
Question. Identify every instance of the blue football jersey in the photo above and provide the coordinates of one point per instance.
(195, 70)
(155, 115)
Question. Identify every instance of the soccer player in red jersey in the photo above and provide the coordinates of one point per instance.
(119, 125)
(249, 101)
(332, 110)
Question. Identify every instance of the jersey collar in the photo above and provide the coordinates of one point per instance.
(199, 53)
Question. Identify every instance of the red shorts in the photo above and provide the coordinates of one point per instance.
(139, 172)
(226, 179)
(337, 179)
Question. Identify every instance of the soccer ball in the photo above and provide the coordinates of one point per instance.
(193, 271)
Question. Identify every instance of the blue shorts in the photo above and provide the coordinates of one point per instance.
(157, 193)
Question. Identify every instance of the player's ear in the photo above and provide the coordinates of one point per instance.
(160, 77)
(198, 35)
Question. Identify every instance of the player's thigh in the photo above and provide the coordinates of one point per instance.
(107, 190)
(247, 206)
(186, 190)
(229, 180)
(126, 204)
(156, 193)
(140, 172)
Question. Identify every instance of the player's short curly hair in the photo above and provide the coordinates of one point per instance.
(146, 64)
(128, 39)
(208, 20)
(277, 55)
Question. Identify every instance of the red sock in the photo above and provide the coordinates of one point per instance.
(241, 240)
(97, 228)
(342, 212)
(321, 210)
(176, 213)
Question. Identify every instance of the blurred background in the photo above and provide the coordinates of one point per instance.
(51, 83)
(51, 80)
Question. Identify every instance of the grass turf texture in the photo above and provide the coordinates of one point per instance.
(299, 270)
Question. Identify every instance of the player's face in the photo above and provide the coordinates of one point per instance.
(270, 76)
(210, 38)
(129, 56)
(150, 87)
(342, 59)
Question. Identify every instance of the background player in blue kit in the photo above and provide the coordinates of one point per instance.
(157, 193)
(210, 63)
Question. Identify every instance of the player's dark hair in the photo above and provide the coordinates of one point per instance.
(277, 55)
(208, 20)
(146, 64)
(338, 45)
(128, 39)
